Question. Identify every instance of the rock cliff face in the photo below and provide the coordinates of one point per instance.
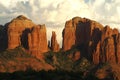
(15, 30)
(68, 36)
(83, 33)
(3, 38)
(118, 48)
(37, 40)
(54, 44)
(96, 54)
(95, 42)
(23, 32)
(110, 43)
(80, 31)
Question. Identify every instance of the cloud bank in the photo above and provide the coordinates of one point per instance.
(54, 13)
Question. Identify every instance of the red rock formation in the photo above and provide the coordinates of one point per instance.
(3, 38)
(76, 55)
(116, 36)
(83, 33)
(15, 29)
(86, 30)
(80, 31)
(95, 42)
(68, 36)
(18, 30)
(118, 49)
(109, 50)
(37, 41)
(108, 45)
(54, 43)
(19, 34)
(96, 54)
(106, 32)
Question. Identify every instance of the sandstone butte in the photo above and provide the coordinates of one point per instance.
(54, 44)
(22, 31)
(16, 28)
(97, 43)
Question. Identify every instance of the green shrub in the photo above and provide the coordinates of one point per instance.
(13, 53)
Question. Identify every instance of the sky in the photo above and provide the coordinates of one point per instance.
(54, 13)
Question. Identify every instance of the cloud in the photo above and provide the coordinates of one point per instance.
(54, 13)
(106, 12)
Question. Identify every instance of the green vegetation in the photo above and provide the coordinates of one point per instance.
(45, 75)
(81, 69)
(13, 53)
(66, 67)
(62, 61)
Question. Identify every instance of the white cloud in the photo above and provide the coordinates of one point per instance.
(54, 13)
(6, 3)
